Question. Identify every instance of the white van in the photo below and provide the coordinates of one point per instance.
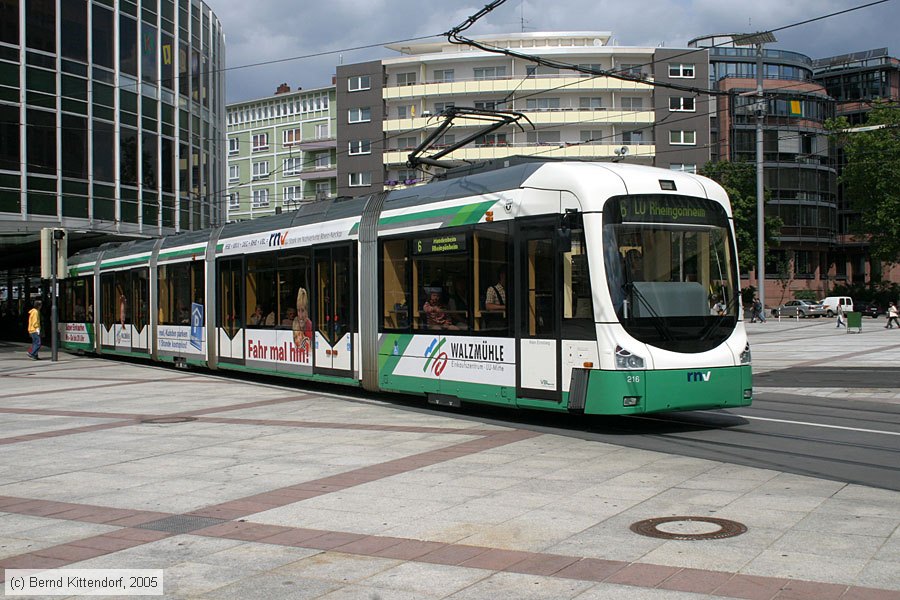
(832, 302)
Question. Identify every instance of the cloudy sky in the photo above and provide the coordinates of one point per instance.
(267, 30)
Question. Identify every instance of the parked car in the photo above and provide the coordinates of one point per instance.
(832, 302)
(868, 309)
(799, 308)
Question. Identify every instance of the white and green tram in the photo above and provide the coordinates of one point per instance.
(596, 288)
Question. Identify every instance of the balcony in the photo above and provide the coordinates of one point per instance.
(510, 84)
(325, 172)
(325, 143)
(645, 150)
(556, 116)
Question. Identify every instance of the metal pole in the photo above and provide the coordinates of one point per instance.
(760, 196)
(54, 314)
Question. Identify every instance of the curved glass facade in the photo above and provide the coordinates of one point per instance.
(111, 115)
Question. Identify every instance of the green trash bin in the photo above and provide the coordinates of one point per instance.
(854, 321)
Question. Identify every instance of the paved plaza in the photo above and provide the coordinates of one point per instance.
(242, 489)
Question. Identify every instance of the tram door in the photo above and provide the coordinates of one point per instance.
(538, 315)
(334, 309)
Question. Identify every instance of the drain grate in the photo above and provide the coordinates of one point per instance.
(726, 528)
(168, 420)
(181, 524)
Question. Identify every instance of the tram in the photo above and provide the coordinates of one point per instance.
(595, 288)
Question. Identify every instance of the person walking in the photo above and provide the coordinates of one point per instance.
(840, 317)
(34, 329)
(893, 315)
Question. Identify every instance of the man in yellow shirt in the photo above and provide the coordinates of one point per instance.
(34, 328)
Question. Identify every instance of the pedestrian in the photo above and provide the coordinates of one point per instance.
(34, 328)
(840, 317)
(756, 311)
(893, 315)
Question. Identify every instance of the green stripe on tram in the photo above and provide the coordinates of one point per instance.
(458, 215)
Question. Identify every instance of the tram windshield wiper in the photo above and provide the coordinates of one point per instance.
(717, 322)
(658, 322)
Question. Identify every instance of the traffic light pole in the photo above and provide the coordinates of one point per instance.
(54, 310)
(760, 193)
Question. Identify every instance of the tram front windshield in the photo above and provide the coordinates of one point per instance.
(671, 270)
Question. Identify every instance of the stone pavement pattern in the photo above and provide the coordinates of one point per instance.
(268, 491)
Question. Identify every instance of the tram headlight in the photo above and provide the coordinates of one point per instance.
(627, 360)
(745, 355)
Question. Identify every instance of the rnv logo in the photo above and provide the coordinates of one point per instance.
(695, 376)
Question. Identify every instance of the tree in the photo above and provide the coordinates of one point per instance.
(739, 181)
(871, 178)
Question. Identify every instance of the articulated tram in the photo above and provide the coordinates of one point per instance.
(596, 288)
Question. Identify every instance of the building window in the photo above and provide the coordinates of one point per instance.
(406, 111)
(592, 67)
(683, 167)
(293, 166)
(541, 137)
(323, 160)
(360, 179)
(632, 137)
(490, 105)
(633, 70)
(407, 143)
(290, 137)
(490, 72)
(542, 103)
(260, 198)
(406, 78)
(445, 140)
(491, 139)
(681, 70)
(323, 190)
(680, 137)
(444, 75)
(260, 141)
(359, 115)
(360, 147)
(678, 103)
(233, 145)
(293, 195)
(321, 131)
(234, 173)
(594, 103)
(631, 103)
(234, 200)
(591, 136)
(260, 169)
(440, 106)
(359, 83)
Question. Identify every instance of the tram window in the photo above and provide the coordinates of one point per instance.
(140, 297)
(441, 275)
(180, 285)
(578, 304)
(231, 295)
(262, 292)
(109, 299)
(491, 261)
(293, 289)
(74, 298)
(395, 283)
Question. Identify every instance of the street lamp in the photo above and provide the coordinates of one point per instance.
(758, 39)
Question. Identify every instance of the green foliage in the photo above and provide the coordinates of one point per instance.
(871, 178)
(880, 293)
(805, 295)
(739, 181)
(747, 294)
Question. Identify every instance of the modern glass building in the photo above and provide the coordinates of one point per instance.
(111, 118)
(799, 175)
(112, 126)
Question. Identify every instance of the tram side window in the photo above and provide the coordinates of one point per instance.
(140, 296)
(76, 300)
(231, 295)
(395, 284)
(180, 285)
(293, 290)
(262, 292)
(126, 298)
(578, 304)
(492, 282)
(441, 282)
(109, 300)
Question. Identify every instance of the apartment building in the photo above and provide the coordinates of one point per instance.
(388, 107)
(281, 151)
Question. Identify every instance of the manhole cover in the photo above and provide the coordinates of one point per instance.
(181, 523)
(168, 420)
(689, 528)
